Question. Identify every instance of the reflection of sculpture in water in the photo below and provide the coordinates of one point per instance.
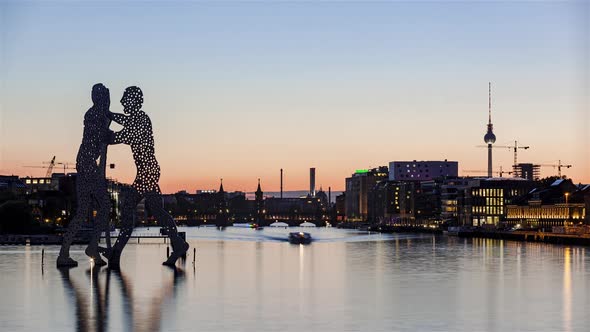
(137, 133)
(90, 182)
(99, 321)
(83, 307)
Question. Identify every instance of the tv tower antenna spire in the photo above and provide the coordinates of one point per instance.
(489, 137)
(489, 103)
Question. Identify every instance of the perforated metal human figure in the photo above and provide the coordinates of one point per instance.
(90, 182)
(137, 133)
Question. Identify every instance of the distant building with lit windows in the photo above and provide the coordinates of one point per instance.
(226, 208)
(450, 191)
(340, 207)
(54, 198)
(483, 201)
(358, 187)
(422, 170)
(34, 185)
(561, 203)
(12, 184)
(405, 202)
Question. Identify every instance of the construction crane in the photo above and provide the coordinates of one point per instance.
(501, 172)
(51, 164)
(514, 148)
(50, 168)
(64, 164)
(559, 165)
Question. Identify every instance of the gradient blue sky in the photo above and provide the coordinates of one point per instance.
(240, 89)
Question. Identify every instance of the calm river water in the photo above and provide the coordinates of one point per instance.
(248, 280)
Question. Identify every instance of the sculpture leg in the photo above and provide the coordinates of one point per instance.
(101, 224)
(130, 200)
(81, 213)
(179, 246)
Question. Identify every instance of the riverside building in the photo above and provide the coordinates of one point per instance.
(422, 170)
(561, 203)
(483, 201)
(358, 187)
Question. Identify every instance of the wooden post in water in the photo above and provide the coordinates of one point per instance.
(42, 257)
(194, 255)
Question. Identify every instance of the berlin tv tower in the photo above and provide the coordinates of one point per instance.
(490, 138)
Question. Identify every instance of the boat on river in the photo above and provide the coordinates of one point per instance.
(299, 238)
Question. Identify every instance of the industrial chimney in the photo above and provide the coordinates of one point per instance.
(281, 183)
(312, 182)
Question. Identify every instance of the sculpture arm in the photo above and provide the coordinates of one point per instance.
(118, 118)
(122, 136)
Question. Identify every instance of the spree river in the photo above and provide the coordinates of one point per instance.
(248, 280)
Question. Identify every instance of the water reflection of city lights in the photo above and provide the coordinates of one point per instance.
(567, 290)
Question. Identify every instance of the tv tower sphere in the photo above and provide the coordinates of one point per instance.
(489, 138)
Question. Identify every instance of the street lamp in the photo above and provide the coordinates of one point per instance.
(567, 195)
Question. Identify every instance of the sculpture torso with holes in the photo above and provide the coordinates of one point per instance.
(137, 133)
(95, 127)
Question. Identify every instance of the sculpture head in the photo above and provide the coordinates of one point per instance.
(101, 96)
(132, 99)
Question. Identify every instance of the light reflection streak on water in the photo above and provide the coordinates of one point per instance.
(567, 290)
(301, 279)
(502, 261)
(301, 265)
(518, 266)
(28, 262)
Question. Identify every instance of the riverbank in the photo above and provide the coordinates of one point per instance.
(529, 236)
(390, 228)
(522, 236)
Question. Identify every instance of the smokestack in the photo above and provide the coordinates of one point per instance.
(281, 183)
(312, 181)
(329, 196)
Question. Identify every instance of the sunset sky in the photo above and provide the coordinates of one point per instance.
(238, 90)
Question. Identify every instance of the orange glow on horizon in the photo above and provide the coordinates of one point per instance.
(294, 179)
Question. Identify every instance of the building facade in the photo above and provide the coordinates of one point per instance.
(483, 201)
(13, 185)
(560, 204)
(449, 195)
(405, 202)
(527, 171)
(422, 170)
(358, 187)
